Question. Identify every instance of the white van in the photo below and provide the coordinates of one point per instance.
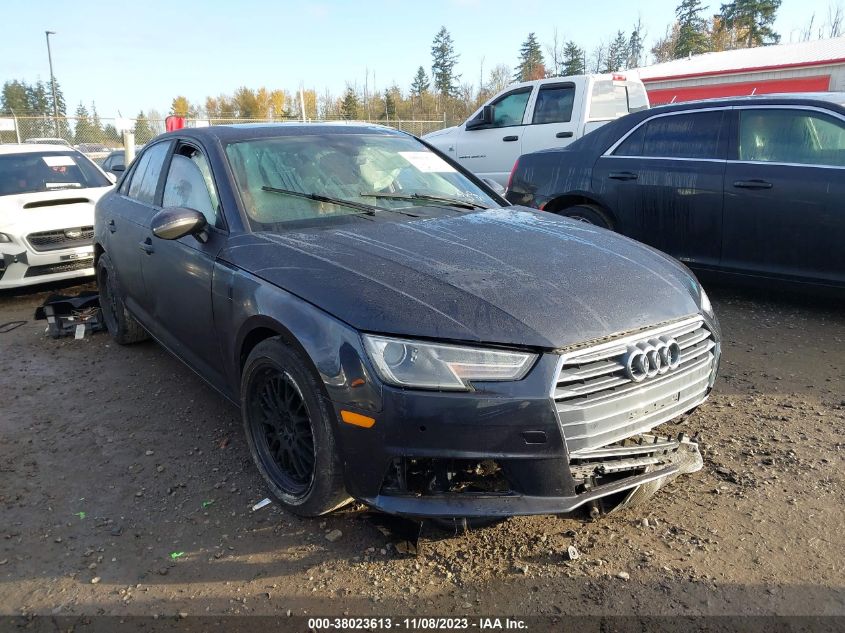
(537, 115)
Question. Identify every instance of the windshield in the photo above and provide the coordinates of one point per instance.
(377, 170)
(35, 171)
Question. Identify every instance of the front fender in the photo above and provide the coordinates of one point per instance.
(258, 309)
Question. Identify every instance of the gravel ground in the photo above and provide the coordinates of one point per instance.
(126, 488)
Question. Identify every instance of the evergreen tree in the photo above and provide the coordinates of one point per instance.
(389, 104)
(15, 98)
(96, 125)
(350, 105)
(443, 61)
(420, 84)
(617, 53)
(573, 59)
(143, 132)
(635, 47)
(751, 21)
(82, 130)
(693, 37)
(531, 63)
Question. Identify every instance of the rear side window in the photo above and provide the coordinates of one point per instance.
(146, 175)
(791, 136)
(554, 104)
(696, 135)
(609, 100)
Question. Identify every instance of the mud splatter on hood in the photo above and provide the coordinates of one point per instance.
(508, 276)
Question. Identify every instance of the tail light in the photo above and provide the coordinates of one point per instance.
(510, 178)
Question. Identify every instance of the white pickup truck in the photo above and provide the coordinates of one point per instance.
(537, 115)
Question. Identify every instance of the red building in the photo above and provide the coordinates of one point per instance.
(817, 66)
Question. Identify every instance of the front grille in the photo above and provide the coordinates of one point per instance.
(598, 403)
(55, 240)
(61, 267)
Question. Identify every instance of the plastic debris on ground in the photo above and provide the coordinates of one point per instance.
(261, 504)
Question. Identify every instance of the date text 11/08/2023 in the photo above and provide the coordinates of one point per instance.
(417, 623)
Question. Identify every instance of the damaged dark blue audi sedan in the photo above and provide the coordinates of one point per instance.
(395, 332)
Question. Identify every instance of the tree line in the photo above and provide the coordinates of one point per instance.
(437, 91)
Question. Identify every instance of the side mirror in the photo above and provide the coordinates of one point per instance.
(486, 118)
(175, 222)
(118, 169)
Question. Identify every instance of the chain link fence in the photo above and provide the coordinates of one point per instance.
(99, 137)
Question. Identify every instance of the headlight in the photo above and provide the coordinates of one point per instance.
(4, 238)
(432, 366)
(706, 306)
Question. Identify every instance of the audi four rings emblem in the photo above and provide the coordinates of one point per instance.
(657, 356)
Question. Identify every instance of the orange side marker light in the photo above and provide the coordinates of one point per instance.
(356, 419)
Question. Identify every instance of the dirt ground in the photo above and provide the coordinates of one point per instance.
(126, 489)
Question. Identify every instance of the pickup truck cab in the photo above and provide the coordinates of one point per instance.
(536, 115)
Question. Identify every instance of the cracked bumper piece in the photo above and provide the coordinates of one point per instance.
(618, 475)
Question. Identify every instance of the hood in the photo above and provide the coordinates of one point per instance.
(49, 210)
(505, 276)
(444, 132)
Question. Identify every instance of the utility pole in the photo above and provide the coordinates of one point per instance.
(52, 82)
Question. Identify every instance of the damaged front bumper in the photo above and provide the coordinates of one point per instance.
(616, 476)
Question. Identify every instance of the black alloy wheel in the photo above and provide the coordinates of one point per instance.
(282, 430)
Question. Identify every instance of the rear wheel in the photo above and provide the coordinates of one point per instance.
(289, 432)
(122, 326)
(588, 214)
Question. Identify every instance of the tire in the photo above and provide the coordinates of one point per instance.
(288, 427)
(122, 326)
(588, 214)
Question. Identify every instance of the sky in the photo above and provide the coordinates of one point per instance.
(136, 56)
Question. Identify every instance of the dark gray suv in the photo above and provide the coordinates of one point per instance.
(393, 331)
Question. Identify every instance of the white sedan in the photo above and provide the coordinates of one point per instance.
(47, 198)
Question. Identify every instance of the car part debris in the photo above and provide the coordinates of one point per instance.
(77, 316)
(261, 504)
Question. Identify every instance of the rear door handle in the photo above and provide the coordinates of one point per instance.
(112, 227)
(563, 135)
(622, 175)
(752, 184)
(147, 246)
(509, 139)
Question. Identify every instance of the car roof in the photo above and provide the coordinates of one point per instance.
(793, 98)
(243, 131)
(33, 148)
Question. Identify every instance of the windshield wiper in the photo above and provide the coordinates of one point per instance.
(452, 202)
(364, 208)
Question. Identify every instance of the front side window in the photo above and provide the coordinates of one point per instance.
(554, 104)
(189, 184)
(146, 175)
(30, 172)
(695, 135)
(791, 136)
(387, 171)
(509, 109)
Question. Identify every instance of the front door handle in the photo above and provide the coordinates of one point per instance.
(509, 139)
(752, 184)
(147, 246)
(563, 135)
(622, 175)
(112, 227)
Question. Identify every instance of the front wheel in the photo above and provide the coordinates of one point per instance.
(588, 214)
(288, 430)
(122, 326)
